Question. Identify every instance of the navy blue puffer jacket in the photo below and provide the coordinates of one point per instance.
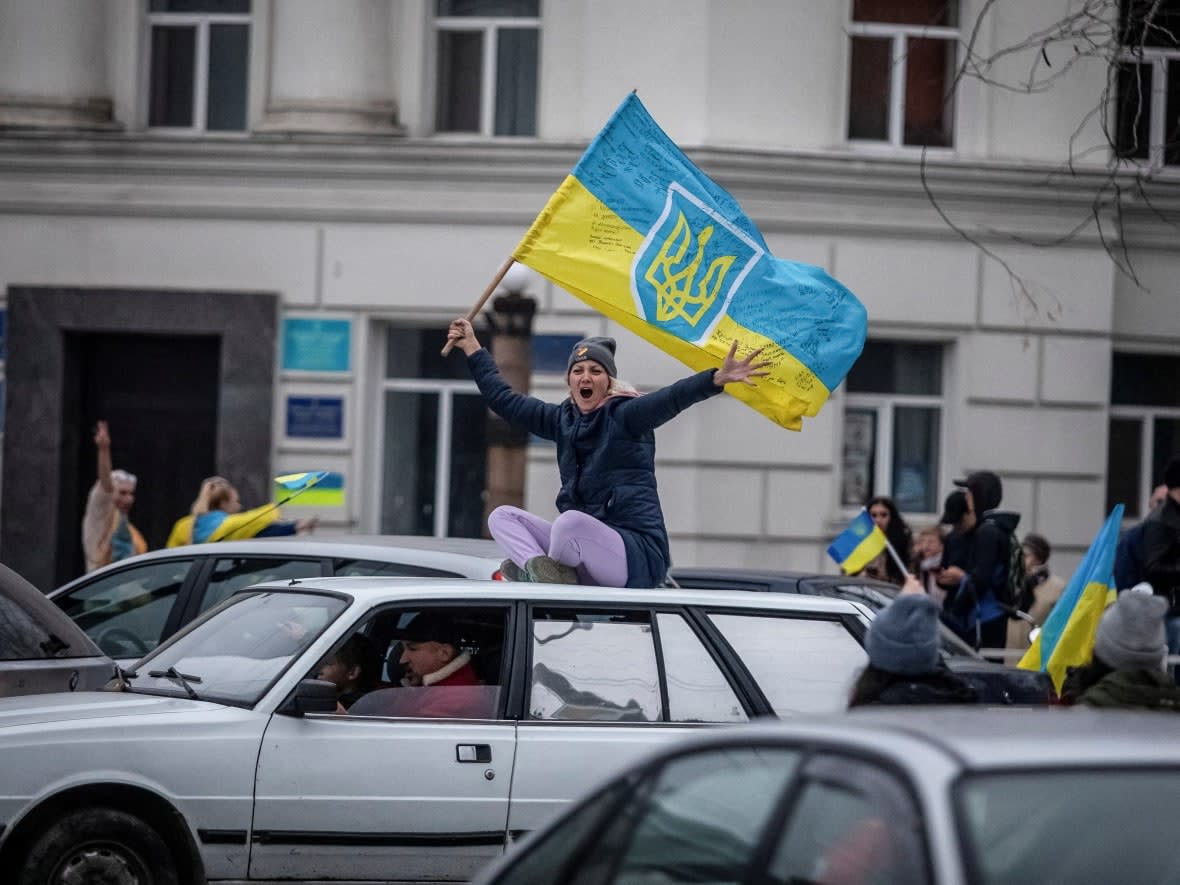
(606, 458)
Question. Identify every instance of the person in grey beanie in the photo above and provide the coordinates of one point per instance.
(1127, 669)
(904, 645)
(610, 528)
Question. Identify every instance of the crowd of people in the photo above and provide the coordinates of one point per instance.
(108, 534)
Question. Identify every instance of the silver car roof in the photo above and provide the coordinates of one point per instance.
(987, 738)
(473, 557)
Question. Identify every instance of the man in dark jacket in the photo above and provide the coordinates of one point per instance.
(1161, 551)
(1128, 556)
(977, 608)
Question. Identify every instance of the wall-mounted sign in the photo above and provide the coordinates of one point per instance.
(315, 417)
(316, 345)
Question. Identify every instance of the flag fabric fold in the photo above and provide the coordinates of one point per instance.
(315, 488)
(858, 545)
(1067, 637)
(642, 235)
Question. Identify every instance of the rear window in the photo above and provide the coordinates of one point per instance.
(1081, 827)
(24, 638)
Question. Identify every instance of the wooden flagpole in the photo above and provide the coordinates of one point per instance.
(483, 299)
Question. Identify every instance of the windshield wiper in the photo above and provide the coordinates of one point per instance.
(183, 678)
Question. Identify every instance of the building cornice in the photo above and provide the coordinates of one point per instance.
(445, 180)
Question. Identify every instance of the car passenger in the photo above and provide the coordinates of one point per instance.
(355, 669)
(905, 661)
(440, 682)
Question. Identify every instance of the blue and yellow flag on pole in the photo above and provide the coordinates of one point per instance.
(315, 488)
(642, 235)
(858, 545)
(1067, 638)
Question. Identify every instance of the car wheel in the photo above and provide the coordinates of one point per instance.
(99, 845)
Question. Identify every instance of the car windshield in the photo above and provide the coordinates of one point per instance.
(876, 599)
(1063, 826)
(235, 654)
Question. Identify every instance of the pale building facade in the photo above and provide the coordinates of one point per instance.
(289, 199)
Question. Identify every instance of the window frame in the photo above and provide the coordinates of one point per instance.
(489, 27)
(898, 35)
(1146, 416)
(1158, 59)
(202, 22)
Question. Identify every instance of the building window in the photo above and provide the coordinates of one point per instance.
(434, 440)
(487, 56)
(1144, 427)
(903, 58)
(198, 64)
(893, 426)
(1148, 124)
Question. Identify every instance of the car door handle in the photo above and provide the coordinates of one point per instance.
(473, 753)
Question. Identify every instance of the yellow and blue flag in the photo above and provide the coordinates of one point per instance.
(1067, 638)
(858, 545)
(640, 234)
(315, 488)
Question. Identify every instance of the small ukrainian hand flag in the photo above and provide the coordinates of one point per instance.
(858, 545)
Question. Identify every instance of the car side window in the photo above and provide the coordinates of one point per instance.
(232, 573)
(802, 665)
(22, 636)
(701, 820)
(352, 568)
(697, 689)
(594, 665)
(850, 822)
(126, 612)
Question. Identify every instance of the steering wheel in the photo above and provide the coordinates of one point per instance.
(124, 638)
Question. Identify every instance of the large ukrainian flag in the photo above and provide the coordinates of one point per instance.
(859, 544)
(1067, 638)
(642, 235)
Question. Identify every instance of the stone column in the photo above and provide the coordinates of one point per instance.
(330, 68)
(53, 65)
(511, 321)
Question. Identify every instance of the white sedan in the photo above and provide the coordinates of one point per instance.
(224, 759)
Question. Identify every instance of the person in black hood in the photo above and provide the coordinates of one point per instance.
(905, 661)
(977, 606)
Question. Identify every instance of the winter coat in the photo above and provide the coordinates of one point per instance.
(1046, 590)
(606, 457)
(986, 579)
(1135, 689)
(1161, 552)
(459, 695)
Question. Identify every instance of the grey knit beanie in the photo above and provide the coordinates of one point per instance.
(599, 349)
(1131, 634)
(904, 637)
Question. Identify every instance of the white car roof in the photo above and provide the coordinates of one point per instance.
(993, 738)
(379, 590)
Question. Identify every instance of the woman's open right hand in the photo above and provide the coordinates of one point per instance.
(463, 336)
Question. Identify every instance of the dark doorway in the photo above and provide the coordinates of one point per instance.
(159, 397)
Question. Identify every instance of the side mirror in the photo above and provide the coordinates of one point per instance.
(311, 696)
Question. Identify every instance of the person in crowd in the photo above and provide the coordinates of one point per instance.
(928, 561)
(1040, 591)
(885, 515)
(1127, 668)
(905, 661)
(355, 669)
(107, 532)
(960, 521)
(1128, 556)
(975, 607)
(217, 515)
(440, 681)
(1161, 550)
(610, 530)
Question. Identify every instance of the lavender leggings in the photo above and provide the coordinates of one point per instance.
(574, 538)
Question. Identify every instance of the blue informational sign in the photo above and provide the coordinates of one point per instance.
(316, 345)
(315, 417)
